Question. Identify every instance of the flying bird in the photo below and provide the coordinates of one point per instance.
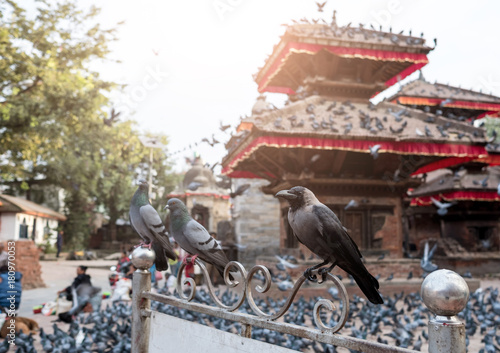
(374, 151)
(320, 6)
(442, 207)
(193, 237)
(425, 262)
(147, 223)
(483, 182)
(240, 190)
(223, 127)
(318, 228)
(351, 204)
(112, 119)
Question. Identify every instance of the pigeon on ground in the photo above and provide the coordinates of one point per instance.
(147, 223)
(193, 237)
(317, 227)
(285, 263)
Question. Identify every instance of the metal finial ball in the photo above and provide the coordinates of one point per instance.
(445, 292)
(143, 258)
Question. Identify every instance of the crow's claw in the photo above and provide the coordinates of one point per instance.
(310, 276)
(323, 272)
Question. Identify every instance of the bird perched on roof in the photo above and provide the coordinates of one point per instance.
(193, 237)
(319, 229)
(194, 185)
(147, 223)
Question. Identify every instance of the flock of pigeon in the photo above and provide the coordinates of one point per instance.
(341, 117)
(401, 320)
(108, 330)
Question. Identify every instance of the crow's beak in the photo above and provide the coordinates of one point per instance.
(285, 194)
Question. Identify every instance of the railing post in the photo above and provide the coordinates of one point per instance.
(142, 259)
(445, 293)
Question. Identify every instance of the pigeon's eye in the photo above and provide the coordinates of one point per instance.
(173, 203)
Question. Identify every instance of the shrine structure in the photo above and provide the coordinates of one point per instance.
(356, 157)
(457, 205)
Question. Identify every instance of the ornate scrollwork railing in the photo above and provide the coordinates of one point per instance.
(242, 283)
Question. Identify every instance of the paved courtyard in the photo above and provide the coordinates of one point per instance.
(59, 274)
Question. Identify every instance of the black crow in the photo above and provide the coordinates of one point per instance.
(317, 227)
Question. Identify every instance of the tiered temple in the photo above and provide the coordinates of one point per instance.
(323, 138)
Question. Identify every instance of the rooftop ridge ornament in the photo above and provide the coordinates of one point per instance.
(246, 291)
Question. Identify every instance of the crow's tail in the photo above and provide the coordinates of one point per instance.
(369, 285)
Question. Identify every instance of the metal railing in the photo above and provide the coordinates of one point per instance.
(444, 293)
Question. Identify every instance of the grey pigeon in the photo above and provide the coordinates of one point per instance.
(194, 185)
(442, 207)
(193, 237)
(147, 223)
(318, 228)
(351, 204)
(285, 263)
(425, 262)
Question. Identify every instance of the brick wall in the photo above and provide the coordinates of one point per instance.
(256, 221)
(27, 262)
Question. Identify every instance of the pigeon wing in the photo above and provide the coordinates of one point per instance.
(153, 227)
(198, 241)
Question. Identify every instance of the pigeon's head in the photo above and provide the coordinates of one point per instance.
(297, 196)
(175, 204)
(143, 184)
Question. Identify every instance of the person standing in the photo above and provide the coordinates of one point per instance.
(59, 242)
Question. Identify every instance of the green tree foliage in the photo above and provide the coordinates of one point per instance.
(54, 123)
(492, 126)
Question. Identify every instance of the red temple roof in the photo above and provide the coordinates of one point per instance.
(460, 185)
(423, 93)
(328, 124)
(390, 57)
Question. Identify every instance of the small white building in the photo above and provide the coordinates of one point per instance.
(23, 219)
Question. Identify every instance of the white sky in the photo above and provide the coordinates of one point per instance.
(210, 57)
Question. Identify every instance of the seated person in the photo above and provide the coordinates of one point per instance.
(81, 278)
(6, 291)
(124, 259)
(85, 298)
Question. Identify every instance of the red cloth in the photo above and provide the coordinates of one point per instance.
(443, 163)
(398, 147)
(493, 107)
(456, 196)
